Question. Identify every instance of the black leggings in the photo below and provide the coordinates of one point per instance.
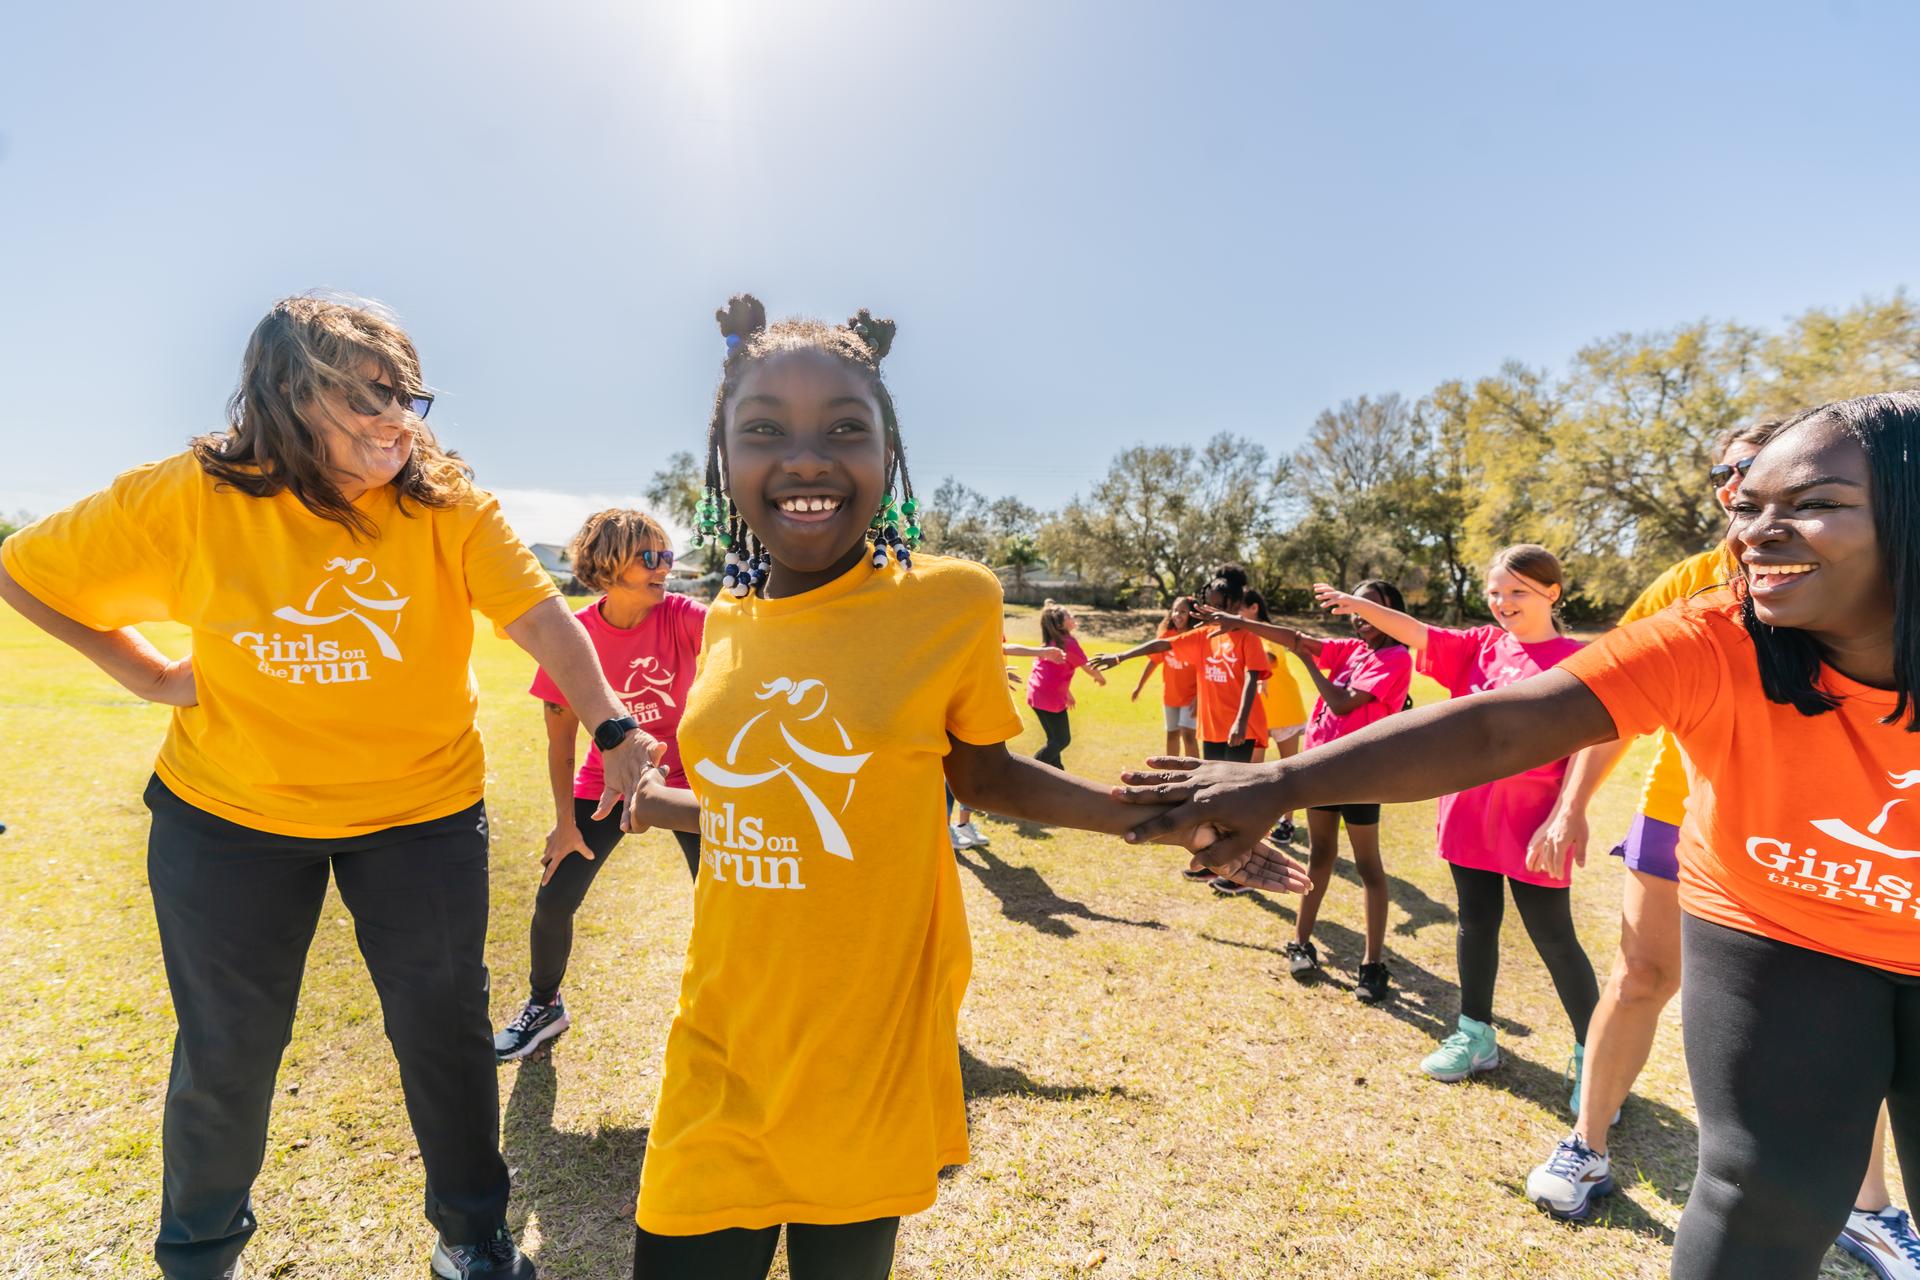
(1548, 916)
(854, 1251)
(551, 938)
(1790, 1052)
(1059, 734)
(1242, 752)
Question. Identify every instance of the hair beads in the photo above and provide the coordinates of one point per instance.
(887, 537)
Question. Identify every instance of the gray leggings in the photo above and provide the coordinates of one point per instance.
(1791, 1052)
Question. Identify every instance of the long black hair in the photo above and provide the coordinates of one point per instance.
(1887, 428)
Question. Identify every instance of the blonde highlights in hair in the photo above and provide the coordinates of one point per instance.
(1053, 624)
(608, 542)
(308, 346)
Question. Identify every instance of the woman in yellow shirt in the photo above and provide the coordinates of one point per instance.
(812, 1074)
(327, 555)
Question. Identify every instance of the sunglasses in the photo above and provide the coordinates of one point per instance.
(651, 559)
(1722, 472)
(383, 395)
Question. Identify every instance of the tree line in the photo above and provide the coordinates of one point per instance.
(1604, 461)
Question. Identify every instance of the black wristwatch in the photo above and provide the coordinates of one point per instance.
(611, 733)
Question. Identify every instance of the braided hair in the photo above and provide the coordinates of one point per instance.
(860, 343)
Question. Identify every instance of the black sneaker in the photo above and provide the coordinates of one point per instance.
(495, 1259)
(1284, 833)
(532, 1027)
(1303, 961)
(1370, 985)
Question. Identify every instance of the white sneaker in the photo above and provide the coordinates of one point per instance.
(1570, 1180)
(958, 835)
(1885, 1241)
(975, 838)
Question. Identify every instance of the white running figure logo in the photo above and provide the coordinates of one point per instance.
(348, 574)
(1844, 831)
(832, 838)
(646, 675)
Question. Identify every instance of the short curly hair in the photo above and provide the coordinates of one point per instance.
(608, 542)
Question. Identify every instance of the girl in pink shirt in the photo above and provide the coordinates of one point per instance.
(1484, 832)
(1049, 690)
(648, 642)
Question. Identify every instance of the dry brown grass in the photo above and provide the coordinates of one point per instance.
(1150, 1094)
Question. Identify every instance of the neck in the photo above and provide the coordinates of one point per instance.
(1536, 637)
(784, 580)
(625, 609)
(1867, 658)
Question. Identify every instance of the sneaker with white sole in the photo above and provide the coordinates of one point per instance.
(1228, 888)
(532, 1027)
(976, 838)
(1303, 961)
(1884, 1241)
(958, 838)
(1466, 1052)
(1572, 1177)
(495, 1259)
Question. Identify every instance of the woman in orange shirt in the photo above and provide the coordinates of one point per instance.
(1793, 697)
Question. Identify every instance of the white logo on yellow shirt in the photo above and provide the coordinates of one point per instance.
(736, 839)
(1810, 871)
(351, 589)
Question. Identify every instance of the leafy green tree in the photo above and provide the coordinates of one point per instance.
(676, 490)
(1831, 355)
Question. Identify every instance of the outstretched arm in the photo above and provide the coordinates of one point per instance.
(1291, 639)
(1108, 661)
(1405, 628)
(1417, 755)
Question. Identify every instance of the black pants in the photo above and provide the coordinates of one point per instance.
(1791, 1053)
(1239, 752)
(552, 935)
(1059, 734)
(237, 910)
(855, 1251)
(1548, 916)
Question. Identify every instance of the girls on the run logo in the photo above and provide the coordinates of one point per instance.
(1847, 876)
(352, 589)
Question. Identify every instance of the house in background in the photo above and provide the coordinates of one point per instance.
(553, 558)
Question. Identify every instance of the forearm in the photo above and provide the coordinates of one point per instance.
(1248, 694)
(560, 772)
(559, 643)
(1405, 628)
(1024, 650)
(127, 656)
(1019, 787)
(1451, 746)
(659, 805)
(1143, 650)
(1587, 770)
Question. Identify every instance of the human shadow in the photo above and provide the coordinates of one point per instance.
(982, 1079)
(580, 1186)
(1026, 896)
(1421, 909)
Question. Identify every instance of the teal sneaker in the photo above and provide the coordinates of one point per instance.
(1466, 1052)
(1577, 1069)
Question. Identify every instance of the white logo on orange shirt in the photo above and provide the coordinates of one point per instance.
(351, 589)
(736, 839)
(1856, 879)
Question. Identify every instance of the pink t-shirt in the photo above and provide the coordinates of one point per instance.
(651, 667)
(1488, 827)
(1047, 682)
(1385, 673)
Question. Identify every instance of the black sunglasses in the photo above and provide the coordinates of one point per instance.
(651, 559)
(383, 395)
(1722, 472)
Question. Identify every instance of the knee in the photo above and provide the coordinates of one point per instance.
(1643, 980)
(1373, 876)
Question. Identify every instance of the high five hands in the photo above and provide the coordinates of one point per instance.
(1221, 813)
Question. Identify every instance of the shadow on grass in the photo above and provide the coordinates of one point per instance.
(1026, 897)
(982, 1079)
(1409, 897)
(580, 1185)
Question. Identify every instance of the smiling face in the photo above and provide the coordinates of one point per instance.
(805, 453)
(1802, 529)
(1370, 635)
(363, 450)
(1737, 452)
(1181, 616)
(1522, 607)
(649, 584)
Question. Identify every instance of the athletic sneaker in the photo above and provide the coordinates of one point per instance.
(1885, 1241)
(532, 1027)
(1370, 984)
(1197, 874)
(1466, 1052)
(975, 838)
(1565, 1186)
(959, 838)
(1284, 833)
(1302, 960)
(495, 1259)
(1228, 888)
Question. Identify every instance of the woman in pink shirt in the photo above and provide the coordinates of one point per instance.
(1484, 832)
(1048, 685)
(648, 642)
(1360, 681)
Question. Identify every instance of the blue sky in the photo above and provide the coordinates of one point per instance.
(1096, 224)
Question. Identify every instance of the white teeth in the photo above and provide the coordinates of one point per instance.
(810, 504)
(1780, 570)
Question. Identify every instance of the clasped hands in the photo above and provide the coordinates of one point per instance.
(1219, 811)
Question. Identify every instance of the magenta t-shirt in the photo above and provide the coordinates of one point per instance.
(650, 667)
(1047, 682)
(1488, 827)
(1386, 673)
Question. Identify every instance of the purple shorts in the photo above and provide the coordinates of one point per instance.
(1652, 847)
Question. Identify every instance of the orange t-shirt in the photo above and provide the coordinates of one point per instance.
(1806, 828)
(1221, 659)
(1179, 682)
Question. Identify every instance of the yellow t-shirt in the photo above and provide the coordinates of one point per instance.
(335, 696)
(813, 1067)
(1664, 798)
(1286, 705)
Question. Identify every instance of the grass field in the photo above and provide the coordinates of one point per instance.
(1150, 1094)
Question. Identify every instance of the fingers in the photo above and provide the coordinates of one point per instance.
(1187, 763)
(608, 799)
(1175, 821)
(1155, 788)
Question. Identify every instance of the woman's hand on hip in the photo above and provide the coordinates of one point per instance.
(174, 685)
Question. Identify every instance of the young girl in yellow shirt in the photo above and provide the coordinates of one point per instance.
(812, 1072)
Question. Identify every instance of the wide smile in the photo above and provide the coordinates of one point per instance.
(809, 508)
(1774, 579)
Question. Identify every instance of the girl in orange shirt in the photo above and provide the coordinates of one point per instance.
(1179, 686)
